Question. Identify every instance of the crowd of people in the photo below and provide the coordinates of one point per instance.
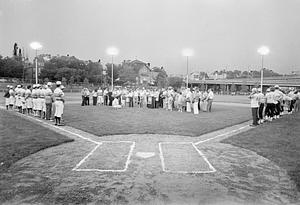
(273, 104)
(41, 101)
(181, 100)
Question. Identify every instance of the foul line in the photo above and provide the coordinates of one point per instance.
(212, 169)
(221, 135)
(76, 168)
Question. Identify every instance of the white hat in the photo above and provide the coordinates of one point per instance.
(8, 86)
(254, 89)
(58, 82)
(62, 87)
(276, 86)
(18, 86)
(49, 83)
(268, 90)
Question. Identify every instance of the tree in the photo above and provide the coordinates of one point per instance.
(175, 82)
(117, 69)
(161, 80)
(64, 81)
(46, 80)
(86, 81)
(10, 67)
(71, 80)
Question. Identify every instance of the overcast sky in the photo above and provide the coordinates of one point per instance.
(223, 33)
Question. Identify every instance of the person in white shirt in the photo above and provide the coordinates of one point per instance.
(188, 100)
(49, 100)
(95, 96)
(59, 103)
(254, 106)
(278, 97)
(210, 98)
(261, 102)
(100, 99)
(23, 102)
(270, 108)
(28, 100)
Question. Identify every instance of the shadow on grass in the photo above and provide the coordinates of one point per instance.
(20, 138)
(278, 141)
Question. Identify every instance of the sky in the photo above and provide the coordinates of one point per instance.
(224, 34)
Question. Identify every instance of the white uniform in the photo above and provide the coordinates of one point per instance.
(11, 97)
(18, 97)
(23, 102)
(59, 105)
(188, 103)
(42, 99)
(28, 99)
(38, 100)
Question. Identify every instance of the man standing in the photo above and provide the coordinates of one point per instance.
(254, 106)
(48, 100)
(261, 101)
(210, 97)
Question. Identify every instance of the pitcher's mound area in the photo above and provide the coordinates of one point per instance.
(183, 157)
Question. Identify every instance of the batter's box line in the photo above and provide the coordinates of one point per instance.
(76, 168)
(212, 169)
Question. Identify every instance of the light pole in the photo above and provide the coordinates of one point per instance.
(187, 52)
(112, 51)
(263, 50)
(36, 46)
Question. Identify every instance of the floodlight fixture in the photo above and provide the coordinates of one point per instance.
(263, 50)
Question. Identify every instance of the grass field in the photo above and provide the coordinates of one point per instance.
(102, 120)
(20, 138)
(278, 141)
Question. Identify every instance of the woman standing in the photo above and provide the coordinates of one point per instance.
(59, 103)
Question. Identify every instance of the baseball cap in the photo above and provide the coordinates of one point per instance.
(58, 82)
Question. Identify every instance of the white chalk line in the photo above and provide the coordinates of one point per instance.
(162, 159)
(205, 159)
(76, 168)
(107, 170)
(56, 127)
(87, 156)
(221, 135)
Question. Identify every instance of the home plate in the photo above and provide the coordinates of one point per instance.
(145, 154)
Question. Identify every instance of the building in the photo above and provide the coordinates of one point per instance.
(217, 75)
(145, 74)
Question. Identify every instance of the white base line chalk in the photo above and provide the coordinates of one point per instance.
(212, 169)
(221, 135)
(107, 170)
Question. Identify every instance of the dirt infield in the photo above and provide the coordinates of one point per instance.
(241, 176)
